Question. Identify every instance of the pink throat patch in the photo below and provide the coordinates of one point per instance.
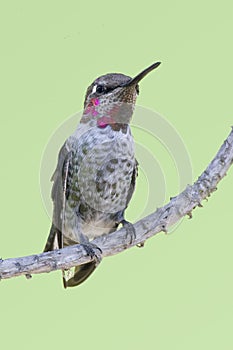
(104, 121)
(95, 101)
(90, 109)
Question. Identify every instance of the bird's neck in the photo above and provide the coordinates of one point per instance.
(117, 116)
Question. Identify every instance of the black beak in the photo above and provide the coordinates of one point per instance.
(140, 76)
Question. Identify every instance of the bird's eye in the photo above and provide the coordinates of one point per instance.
(99, 89)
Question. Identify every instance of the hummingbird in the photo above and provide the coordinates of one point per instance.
(96, 171)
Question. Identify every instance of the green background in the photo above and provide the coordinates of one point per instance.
(176, 293)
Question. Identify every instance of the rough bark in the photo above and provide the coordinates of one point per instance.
(116, 242)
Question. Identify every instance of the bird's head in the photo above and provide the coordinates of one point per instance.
(111, 98)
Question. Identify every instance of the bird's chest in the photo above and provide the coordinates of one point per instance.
(102, 171)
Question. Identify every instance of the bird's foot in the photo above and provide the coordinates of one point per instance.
(93, 251)
(130, 230)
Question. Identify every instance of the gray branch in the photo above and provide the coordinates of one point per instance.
(116, 242)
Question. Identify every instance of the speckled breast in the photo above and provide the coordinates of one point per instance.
(102, 167)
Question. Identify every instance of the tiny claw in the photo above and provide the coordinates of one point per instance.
(90, 249)
(130, 230)
(190, 215)
(28, 276)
